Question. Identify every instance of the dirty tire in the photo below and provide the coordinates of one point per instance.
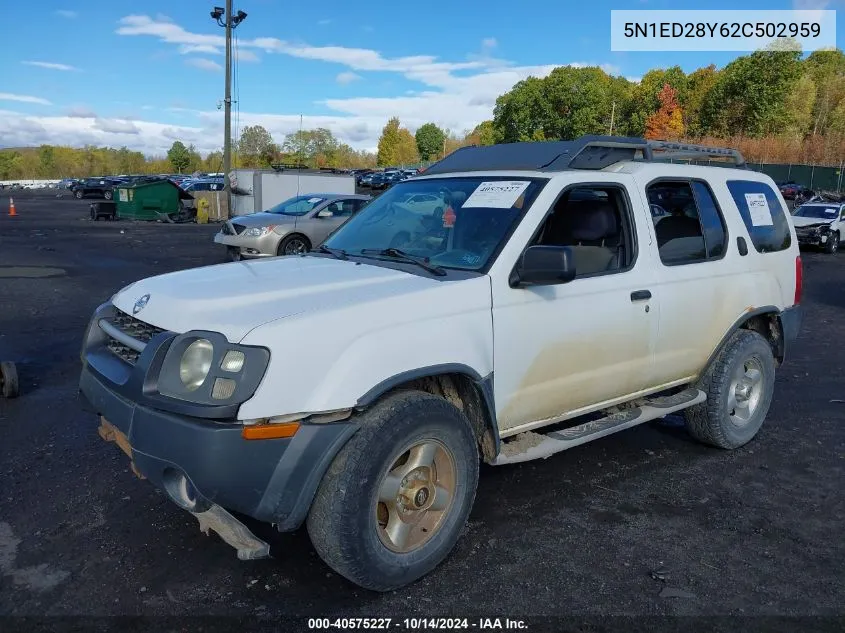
(342, 521)
(294, 245)
(9, 379)
(832, 245)
(107, 194)
(711, 422)
(78, 194)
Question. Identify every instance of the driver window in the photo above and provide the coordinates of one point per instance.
(595, 223)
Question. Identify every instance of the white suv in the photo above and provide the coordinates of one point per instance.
(561, 292)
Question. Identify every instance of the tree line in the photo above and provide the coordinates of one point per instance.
(776, 106)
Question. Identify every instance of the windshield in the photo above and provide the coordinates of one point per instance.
(817, 211)
(457, 222)
(300, 205)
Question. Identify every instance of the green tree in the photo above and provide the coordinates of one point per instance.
(699, 84)
(750, 94)
(800, 105)
(255, 146)
(483, 134)
(47, 158)
(179, 157)
(827, 68)
(521, 113)
(213, 162)
(9, 164)
(429, 139)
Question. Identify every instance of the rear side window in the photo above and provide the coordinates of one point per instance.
(763, 215)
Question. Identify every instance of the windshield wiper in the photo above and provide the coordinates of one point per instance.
(337, 253)
(395, 253)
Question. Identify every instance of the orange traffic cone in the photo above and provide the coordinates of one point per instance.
(12, 211)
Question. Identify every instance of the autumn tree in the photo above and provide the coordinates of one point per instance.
(396, 146)
(429, 139)
(178, 155)
(668, 122)
(483, 134)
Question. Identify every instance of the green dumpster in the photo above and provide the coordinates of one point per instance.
(150, 200)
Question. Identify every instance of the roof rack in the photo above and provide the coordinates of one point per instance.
(586, 152)
(663, 150)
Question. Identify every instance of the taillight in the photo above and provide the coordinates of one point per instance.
(799, 279)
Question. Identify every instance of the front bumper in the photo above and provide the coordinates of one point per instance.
(264, 246)
(811, 239)
(270, 480)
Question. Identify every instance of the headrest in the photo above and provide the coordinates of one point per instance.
(592, 220)
(457, 198)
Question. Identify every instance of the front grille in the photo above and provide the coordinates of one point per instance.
(134, 328)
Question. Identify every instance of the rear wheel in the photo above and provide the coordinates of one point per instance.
(394, 501)
(739, 385)
(832, 243)
(294, 245)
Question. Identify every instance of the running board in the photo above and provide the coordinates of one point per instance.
(548, 444)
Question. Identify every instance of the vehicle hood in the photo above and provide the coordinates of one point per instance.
(237, 297)
(802, 221)
(265, 219)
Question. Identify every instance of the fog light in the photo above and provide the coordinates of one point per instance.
(223, 388)
(233, 361)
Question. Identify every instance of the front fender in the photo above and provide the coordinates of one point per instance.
(331, 359)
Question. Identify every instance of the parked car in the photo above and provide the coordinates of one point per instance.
(208, 184)
(356, 389)
(792, 190)
(67, 183)
(291, 227)
(95, 186)
(820, 224)
(379, 181)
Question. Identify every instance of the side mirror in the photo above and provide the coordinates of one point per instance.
(544, 266)
(325, 213)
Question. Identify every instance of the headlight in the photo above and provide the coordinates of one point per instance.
(205, 368)
(258, 231)
(824, 229)
(195, 363)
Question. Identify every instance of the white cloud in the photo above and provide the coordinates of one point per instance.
(347, 77)
(324, 22)
(243, 55)
(204, 64)
(116, 126)
(205, 49)
(51, 65)
(7, 96)
(66, 13)
(81, 112)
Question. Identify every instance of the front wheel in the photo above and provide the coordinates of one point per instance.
(832, 244)
(78, 194)
(739, 385)
(394, 501)
(107, 194)
(293, 245)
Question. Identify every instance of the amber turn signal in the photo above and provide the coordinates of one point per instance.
(270, 431)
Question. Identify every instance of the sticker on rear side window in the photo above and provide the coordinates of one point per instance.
(314, 200)
(758, 209)
(499, 194)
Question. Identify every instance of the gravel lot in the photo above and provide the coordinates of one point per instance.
(754, 532)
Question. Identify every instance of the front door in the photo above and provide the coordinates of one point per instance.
(560, 350)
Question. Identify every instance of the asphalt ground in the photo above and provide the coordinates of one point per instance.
(644, 523)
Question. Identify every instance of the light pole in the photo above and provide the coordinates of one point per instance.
(229, 22)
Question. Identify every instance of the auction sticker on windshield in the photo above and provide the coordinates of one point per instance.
(499, 194)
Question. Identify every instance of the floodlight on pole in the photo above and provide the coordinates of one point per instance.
(225, 19)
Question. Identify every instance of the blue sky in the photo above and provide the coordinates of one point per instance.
(142, 74)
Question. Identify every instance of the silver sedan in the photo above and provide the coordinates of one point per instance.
(291, 227)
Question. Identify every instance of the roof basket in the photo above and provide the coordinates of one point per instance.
(667, 150)
(586, 152)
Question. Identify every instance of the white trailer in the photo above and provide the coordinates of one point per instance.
(255, 190)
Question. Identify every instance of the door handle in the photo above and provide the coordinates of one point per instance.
(640, 295)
